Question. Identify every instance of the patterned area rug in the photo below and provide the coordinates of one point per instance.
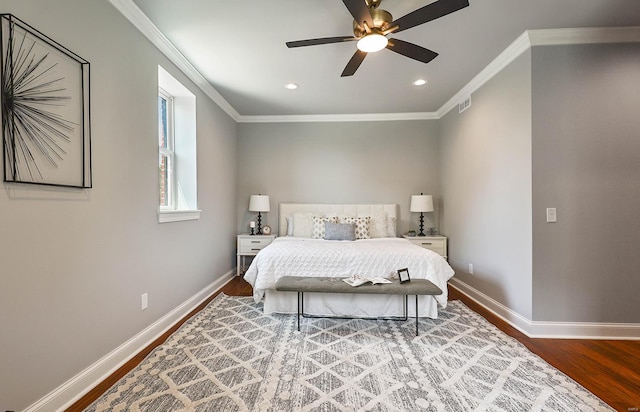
(232, 357)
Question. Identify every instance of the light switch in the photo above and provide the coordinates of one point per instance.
(551, 215)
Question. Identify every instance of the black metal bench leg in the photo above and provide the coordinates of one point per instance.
(416, 315)
(406, 307)
(300, 294)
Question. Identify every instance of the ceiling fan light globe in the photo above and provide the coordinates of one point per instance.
(372, 43)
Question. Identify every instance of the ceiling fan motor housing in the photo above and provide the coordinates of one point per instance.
(381, 21)
(373, 4)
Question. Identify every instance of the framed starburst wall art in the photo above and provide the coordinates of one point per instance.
(46, 131)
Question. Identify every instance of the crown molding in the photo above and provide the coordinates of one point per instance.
(543, 37)
(141, 22)
(584, 35)
(515, 49)
(366, 117)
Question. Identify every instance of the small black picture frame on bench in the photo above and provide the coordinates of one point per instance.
(403, 275)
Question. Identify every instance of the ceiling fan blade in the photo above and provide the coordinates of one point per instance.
(429, 12)
(411, 50)
(359, 11)
(315, 42)
(354, 63)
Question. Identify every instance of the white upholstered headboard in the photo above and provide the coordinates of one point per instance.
(288, 209)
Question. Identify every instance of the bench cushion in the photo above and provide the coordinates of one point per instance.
(337, 285)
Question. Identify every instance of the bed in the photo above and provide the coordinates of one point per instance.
(300, 250)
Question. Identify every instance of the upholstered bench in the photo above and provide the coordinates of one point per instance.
(302, 285)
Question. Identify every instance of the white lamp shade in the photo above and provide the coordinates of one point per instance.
(259, 203)
(421, 203)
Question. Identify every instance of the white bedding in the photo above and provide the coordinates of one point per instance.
(381, 257)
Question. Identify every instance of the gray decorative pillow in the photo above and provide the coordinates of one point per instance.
(339, 231)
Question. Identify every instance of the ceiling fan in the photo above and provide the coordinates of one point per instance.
(371, 26)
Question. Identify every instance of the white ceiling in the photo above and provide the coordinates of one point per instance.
(239, 47)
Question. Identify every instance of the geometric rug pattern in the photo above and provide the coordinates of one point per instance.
(232, 357)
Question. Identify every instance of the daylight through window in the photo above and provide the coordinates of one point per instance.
(166, 149)
(177, 177)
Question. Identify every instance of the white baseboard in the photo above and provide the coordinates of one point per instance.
(553, 330)
(69, 392)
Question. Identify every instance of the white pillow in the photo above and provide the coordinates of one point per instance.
(378, 225)
(289, 225)
(303, 224)
(391, 227)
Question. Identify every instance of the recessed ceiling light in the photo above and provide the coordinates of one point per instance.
(420, 82)
(291, 86)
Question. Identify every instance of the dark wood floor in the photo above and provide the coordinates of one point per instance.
(610, 369)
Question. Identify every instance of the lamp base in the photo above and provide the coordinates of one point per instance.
(421, 225)
(259, 223)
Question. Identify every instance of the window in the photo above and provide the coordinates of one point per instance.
(177, 179)
(166, 150)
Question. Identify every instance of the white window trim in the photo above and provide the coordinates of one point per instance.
(166, 216)
(184, 127)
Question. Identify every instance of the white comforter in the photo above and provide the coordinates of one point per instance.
(380, 257)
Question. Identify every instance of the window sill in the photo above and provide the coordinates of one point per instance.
(167, 216)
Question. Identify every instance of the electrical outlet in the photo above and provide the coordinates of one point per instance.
(552, 215)
(144, 301)
(471, 268)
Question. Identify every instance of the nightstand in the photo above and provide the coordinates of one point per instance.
(250, 245)
(436, 244)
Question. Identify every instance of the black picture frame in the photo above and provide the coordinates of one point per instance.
(46, 128)
(403, 275)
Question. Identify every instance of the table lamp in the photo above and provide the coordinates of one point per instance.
(259, 203)
(421, 203)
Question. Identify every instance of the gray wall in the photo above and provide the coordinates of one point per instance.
(342, 162)
(485, 163)
(556, 128)
(586, 163)
(74, 263)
